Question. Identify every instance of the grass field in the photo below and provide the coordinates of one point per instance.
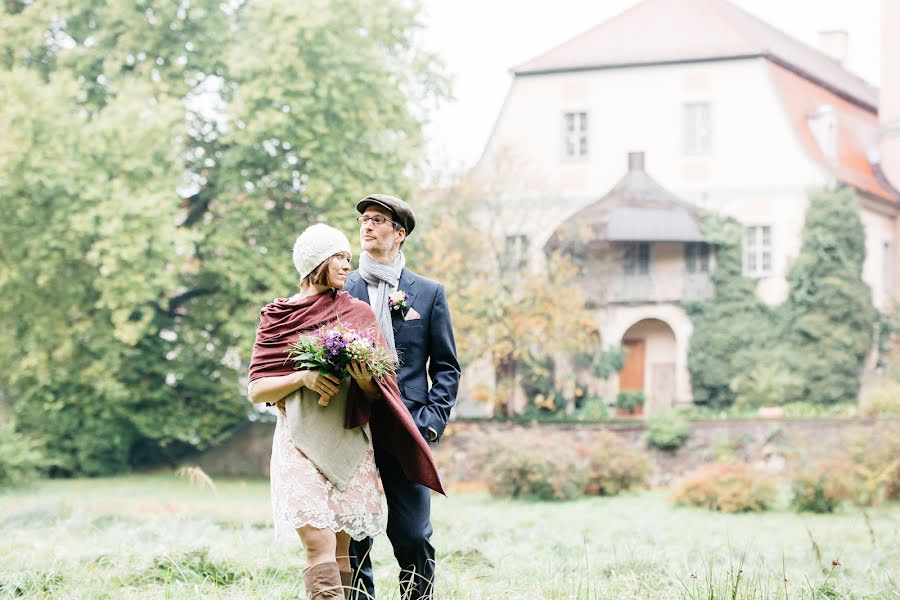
(162, 537)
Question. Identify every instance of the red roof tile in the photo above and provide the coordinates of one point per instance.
(857, 131)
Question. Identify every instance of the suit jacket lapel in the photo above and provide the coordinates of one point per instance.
(358, 288)
(407, 284)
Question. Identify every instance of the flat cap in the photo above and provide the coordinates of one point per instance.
(403, 214)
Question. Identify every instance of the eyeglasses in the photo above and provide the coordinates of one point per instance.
(376, 220)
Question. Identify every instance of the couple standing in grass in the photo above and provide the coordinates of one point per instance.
(327, 456)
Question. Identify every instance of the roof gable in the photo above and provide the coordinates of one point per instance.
(675, 31)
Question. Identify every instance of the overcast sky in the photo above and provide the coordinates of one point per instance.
(480, 40)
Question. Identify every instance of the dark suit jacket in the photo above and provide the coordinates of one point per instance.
(424, 344)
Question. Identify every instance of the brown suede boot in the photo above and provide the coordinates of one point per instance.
(347, 583)
(323, 581)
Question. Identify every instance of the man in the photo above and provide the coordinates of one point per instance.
(414, 318)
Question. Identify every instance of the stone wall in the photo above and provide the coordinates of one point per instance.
(774, 444)
(245, 453)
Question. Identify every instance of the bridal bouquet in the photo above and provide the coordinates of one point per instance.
(331, 349)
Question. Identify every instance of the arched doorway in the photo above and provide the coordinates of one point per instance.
(650, 363)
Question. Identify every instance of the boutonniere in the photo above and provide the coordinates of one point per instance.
(398, 302)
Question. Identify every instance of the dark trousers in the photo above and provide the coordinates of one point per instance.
(408, 529)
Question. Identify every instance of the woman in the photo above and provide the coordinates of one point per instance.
(327, 511)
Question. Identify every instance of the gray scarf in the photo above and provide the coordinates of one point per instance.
(387, 279)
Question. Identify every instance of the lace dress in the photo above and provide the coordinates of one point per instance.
(301, 495)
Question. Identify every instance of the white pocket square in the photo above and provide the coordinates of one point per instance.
(412, 315)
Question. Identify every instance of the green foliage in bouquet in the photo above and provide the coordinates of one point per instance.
(333, 348)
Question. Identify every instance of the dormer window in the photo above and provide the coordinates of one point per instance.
(823, 125)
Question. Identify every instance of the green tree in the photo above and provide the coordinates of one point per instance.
(812, 347)
(129, 309)
(90, 253)
(829, 317)
(734, 330)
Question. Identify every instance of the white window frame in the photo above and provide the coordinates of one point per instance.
(759, 249)
(632, 263)
(575, 129)
(698, 254)
(698, 128)
(516, 251)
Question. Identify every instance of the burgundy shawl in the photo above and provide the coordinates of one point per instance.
(393, 428)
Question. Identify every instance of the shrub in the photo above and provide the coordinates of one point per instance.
(803, 409)
(668, 431)
(875, 460)
(824, 488)
(726, 487)
(593, 409)
(533, 467)
(866, 472)
(767, 384)
(614, 467)
(829, 316)
(883, 401)
(630, 400)
(21, 457)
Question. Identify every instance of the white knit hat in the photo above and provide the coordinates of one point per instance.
(315, 245)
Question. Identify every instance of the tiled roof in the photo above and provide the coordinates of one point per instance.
(638, 208)
(857, 132)
(672, 31)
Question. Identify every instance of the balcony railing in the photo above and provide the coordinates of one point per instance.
(660, 288)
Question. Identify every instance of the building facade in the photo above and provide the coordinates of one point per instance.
(731, 116)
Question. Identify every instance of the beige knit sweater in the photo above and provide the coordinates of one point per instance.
(319, 433)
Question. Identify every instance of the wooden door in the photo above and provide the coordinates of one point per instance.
(662, 387)
(631, 377)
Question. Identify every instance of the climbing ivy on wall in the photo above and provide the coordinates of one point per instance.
(812, 347)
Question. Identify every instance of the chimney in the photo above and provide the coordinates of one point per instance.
(835, 44)
(889, 100)
(635, 161)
